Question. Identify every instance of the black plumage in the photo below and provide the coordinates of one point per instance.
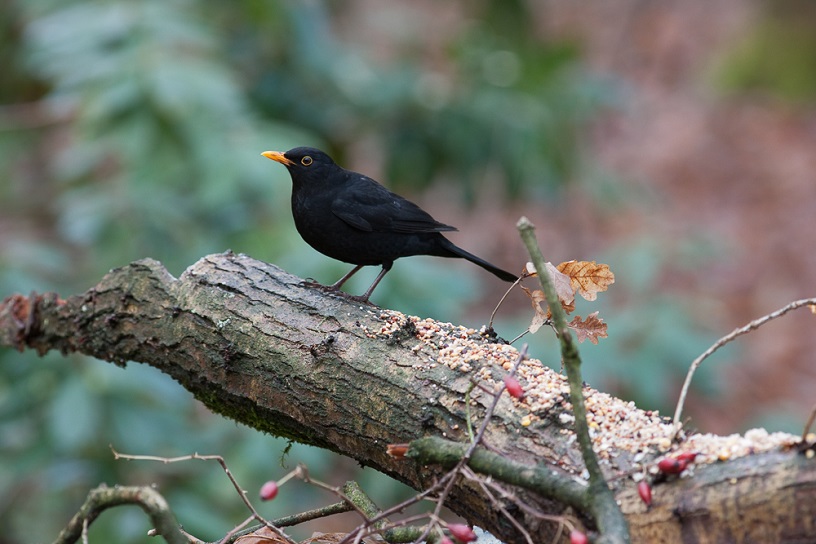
(352, 218)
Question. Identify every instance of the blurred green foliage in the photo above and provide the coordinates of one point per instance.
(778, 57)
(133, 129)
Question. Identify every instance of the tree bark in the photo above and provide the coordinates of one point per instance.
(255, 345)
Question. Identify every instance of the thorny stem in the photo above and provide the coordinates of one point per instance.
(755, 324)
(445, 483)
(561, 520)
(607, 513)
(540, 479)
(470, 475)
(227, 471)
(473, 444)
(397, 508)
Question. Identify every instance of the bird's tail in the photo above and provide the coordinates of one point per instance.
(456, 251)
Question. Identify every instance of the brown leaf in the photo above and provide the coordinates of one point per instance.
(542, 312)
(587, 277)
(562, 282)
(590, 329)
(264, 535)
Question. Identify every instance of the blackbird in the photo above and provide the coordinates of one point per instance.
(350, 217)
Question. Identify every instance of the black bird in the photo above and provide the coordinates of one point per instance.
(352, 218)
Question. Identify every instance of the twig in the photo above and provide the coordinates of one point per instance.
(562, 521)
(447, 482)
(541, 479)
(809, 424)
(456, 471)
(468, 419)
(605, 510)
(755, 324)
(397, 531)
(520, 336)
(469, 474)
(238, 488)
(230, 536)
(295, 519)
(397, 508)
(104, 497)
(501, 300)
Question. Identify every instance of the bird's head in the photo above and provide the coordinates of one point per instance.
(301, 160)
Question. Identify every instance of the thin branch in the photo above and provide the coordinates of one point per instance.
(304, 475)
(562, 520)
(469, 474)
(501, 301)
(755, 324)
(317, 513)
(473, 444)
(241, 492)
(540, 479)
(104, 497)
(809, 424)
(294, 519)
(607, 513)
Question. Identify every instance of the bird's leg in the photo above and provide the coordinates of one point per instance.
(339, 283)
(364, 297)
(334, 286)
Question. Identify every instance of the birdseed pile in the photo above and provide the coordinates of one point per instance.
(616, 426)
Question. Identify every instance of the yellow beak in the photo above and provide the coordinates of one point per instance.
(277, 156)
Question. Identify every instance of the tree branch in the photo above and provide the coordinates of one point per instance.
(253, 344)
(104, 497)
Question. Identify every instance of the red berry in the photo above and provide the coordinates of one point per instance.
(577, 537)
(687, 456)
(672, 465)
(645, 492)
(397, 450)
(513, 387)
(445, 540)
(461, 532)
(269, 490)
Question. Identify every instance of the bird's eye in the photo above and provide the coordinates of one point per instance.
(306, 161)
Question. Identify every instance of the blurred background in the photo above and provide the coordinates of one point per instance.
(675, 141)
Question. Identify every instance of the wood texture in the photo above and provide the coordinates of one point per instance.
(252, 343)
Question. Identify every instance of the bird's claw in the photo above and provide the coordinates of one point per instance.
(357, 298)
(310, 282)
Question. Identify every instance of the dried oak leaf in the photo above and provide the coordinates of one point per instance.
(542, 311)
(264, 535)
(562, 282)
(590, 329)
(588, 278)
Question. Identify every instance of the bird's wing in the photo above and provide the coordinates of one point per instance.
(370, 207)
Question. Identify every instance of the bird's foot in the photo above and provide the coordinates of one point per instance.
(310, 282)
(358, 298)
